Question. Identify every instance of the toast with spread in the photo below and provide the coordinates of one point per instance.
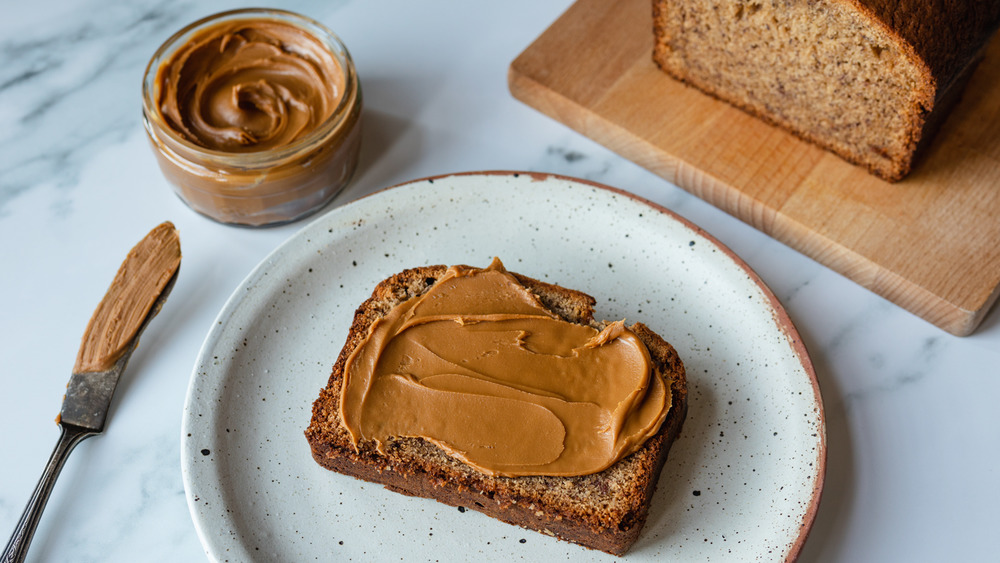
(433, 452)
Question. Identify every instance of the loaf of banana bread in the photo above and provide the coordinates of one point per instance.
(870, 80)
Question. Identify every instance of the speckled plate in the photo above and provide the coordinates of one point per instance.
(742, 483)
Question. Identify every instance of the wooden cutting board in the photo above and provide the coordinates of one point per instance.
(930, 243)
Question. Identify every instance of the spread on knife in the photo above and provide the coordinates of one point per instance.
(140, 280)
(478, 366)
(254, 115)
(249, 85)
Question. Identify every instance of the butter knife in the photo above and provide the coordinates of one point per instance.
(136, 295)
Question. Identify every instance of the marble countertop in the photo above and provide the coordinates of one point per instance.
(913, 430)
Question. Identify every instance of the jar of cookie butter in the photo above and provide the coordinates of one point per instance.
(254, 115)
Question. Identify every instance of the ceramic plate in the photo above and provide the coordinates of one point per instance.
(743, 481)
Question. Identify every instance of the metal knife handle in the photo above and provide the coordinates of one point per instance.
(17, 547)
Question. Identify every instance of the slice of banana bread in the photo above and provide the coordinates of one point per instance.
(870, 80)
(603, 511)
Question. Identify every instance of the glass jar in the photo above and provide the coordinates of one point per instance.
(262, 187)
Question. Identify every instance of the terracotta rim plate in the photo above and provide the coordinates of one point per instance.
(742, 482)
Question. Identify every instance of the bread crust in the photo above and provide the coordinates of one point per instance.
(605, 511)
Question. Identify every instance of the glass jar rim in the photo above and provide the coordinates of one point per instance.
(320, 32)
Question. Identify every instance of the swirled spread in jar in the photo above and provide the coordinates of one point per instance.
(249, 85)
(478, 366)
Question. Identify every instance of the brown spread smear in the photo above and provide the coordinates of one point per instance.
(249, 85)
(478, 366)
(141, 278)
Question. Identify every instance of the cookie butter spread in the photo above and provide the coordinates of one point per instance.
(480, 367)
(141, 279)
(254, 115)
(249, 85)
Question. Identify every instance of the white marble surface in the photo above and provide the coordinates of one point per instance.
(913, 430)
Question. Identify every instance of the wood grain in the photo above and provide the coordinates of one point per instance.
(930, 243)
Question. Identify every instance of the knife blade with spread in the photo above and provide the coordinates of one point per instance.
(136, 295)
